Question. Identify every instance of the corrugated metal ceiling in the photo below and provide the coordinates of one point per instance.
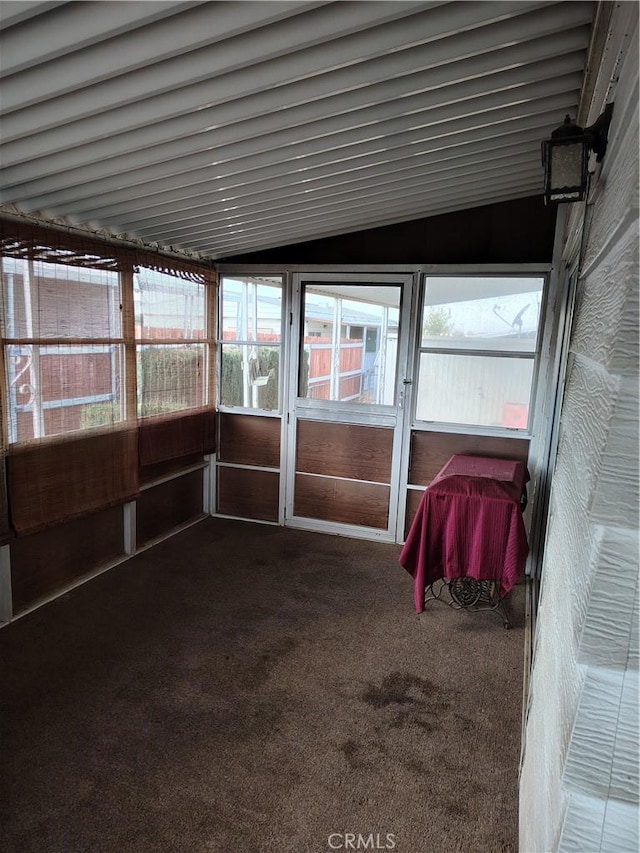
(220, 128)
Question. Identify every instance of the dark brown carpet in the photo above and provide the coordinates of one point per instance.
(248, 689)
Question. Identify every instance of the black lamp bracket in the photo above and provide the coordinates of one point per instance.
(595, 136)
(598, 133)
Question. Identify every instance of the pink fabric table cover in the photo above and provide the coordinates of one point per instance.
(469, 524)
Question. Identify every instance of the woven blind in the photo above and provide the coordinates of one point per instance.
(25, 240)
(173, 350)
(83, 322)
(162, 439)
(62, 336)
(5, 531)
(50, 482)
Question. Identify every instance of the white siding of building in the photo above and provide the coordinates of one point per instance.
(579, 777)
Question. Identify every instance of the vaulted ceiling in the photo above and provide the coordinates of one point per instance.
(219, 128)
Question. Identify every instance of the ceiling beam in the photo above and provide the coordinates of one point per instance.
(14, 12)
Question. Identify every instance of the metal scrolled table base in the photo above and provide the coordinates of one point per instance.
(468, 594)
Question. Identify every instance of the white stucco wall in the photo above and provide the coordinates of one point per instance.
(579, 776)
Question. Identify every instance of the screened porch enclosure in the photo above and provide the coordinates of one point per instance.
(149, 392)
(154, 154)
(334, 378)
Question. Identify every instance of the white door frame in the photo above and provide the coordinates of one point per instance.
(366, 414)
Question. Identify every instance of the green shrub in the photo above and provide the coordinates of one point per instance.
(231, 387)
(231, 377)
(99, 414)
(169, 379)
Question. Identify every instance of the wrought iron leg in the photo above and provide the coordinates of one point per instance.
(468, 594)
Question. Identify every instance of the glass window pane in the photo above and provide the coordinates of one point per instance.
(481, 390)
(43, 300)
(500, 313)
(170, 378)
(252, 309)
(168, 307)
(249, 376)
(350, 343)
(57, 389)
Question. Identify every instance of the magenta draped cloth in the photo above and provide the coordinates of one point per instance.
(469, 524)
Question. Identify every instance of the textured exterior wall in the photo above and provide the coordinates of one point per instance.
(579, 777)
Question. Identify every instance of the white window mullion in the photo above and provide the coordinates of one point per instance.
(127, 318)
(31, 308)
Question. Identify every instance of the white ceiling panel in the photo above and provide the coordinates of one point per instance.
(216, 128)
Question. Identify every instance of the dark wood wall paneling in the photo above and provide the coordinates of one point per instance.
(520, 231)
(342, 501)
(177, 436)
(249, 440)
(244, 493)
(160, 509)
(149, 473)
(344, 450)
(44, 562)
(431, 450)
(351, 451)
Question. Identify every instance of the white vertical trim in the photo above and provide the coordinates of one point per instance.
(288, 472)
(286, 357)
(211, 350)
(31, 304)
(209, 484)
(6, 599)
(404, 401)
(127, 331)
(409, 372)
(550, 371)
(129, 521)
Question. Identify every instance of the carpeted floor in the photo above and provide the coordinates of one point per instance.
(250, 689)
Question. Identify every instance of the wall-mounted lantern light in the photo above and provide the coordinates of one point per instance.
(565, 157)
